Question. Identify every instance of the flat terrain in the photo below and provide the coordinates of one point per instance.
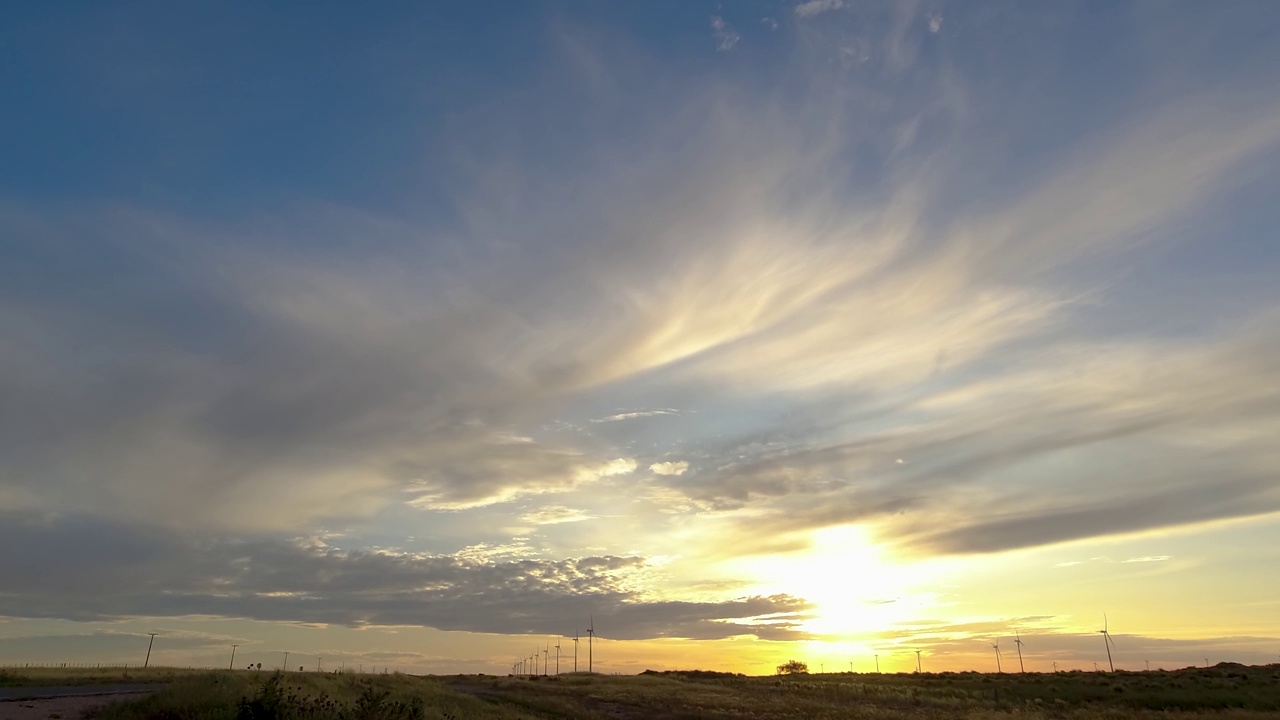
(1226, 691)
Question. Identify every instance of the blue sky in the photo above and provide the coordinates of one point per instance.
(411, 335)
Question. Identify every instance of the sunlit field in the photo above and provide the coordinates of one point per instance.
(1229, 691)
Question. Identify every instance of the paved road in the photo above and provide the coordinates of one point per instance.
(29, 693)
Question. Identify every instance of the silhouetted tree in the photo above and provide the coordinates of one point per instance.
(793, 667)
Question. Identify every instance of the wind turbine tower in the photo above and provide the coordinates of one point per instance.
(1107, 641)
(546, 656)
(557, 656)
(575, 651)
(1017, 640)
(996, 645)
(591, 636)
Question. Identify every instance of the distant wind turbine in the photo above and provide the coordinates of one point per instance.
(557, 656)
(996, 645)
(575, 651)
(591, 635)
(1017, 640)
(1107, 641)
(546, 656)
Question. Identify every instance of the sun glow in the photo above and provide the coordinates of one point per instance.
(858, 593)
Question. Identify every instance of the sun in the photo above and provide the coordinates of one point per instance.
(858, 594)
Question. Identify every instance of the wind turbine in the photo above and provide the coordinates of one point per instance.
(546, 655)
(996, 645)
(1017, 640)
(557, 656)
(591, 635)
(1107, 641)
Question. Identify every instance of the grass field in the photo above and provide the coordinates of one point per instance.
(1223, 692)
(45, 676)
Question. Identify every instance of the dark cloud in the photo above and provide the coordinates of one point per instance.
(1211, 499)
(86, 569)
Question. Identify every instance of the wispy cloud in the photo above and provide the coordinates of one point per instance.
(817, 7)
(554, 515)
(634, 414)
(725, 36)
(670, 468)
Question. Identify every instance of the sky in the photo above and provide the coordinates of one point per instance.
(422, 336)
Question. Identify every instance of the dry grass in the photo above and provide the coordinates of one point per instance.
(1234, 693)
(45, 676)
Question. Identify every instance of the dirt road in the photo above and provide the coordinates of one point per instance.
(62, 703)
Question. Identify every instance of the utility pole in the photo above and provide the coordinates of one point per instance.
(877, 664)
(286, 661)
(150, 642)
(232, 666)
(917, 661)
(318, 664)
